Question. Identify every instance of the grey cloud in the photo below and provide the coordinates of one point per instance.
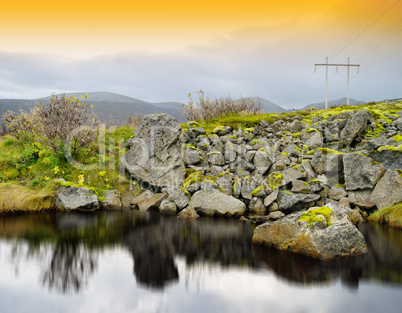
(247, 64)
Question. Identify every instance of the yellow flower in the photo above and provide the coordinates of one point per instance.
(102, 173)
(81, 179)
(47, 178)
(56, 169)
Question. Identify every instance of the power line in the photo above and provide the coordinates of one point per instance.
(351, 34)
(383, 59)
(379, 44)
(364, 30)
(304, 85)
(371, 41)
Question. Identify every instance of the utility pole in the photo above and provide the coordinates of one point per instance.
(326, 77)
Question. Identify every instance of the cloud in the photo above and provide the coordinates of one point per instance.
(261, 61)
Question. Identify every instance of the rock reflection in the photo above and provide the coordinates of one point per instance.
(70, 267)
(72, 242)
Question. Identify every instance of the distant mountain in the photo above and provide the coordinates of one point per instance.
(268, 106)
(110, 107)
(337, 102)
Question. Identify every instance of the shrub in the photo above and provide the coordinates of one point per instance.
(134, 121)
(205, 108)
(24, 126)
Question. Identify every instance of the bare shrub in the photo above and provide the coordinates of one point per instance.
(25, 126)
(134, 121)
(68, 124)
(205, 108)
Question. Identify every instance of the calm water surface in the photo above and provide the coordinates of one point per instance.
(132, 262)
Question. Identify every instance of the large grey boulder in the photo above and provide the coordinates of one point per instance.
(327, 161)
(355, 126)
(388, 190)
(312, 137)
(76, 198)
(155, 154)
(215, 202)
(322, 239)
(361, 172)
(289, 202)
(391, 160)
(261, 161)
(361, 198)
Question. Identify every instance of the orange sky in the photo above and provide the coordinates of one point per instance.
(87, 27)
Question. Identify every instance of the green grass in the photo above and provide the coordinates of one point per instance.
(29, 169)
(391, 216)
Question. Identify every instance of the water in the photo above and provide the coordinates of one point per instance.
(133, 262)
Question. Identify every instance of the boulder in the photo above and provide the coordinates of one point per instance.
(312, 137)
(361, 198)
(76, 198)
(271, 198)
(391, 160)
(354, 126)
(388, 190)
(321, 233)
(111, 200)
(155, 154)
(188, 214)
(289, 202)
(327, 161)
(361, 172)
(191, 156)
(178, 196)
(215, 202)
(256, 206)
(216, 158)
(337, 192)
(168, 207)
(261, 161)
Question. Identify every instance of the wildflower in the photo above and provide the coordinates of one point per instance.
(81, 179)
(102, 173)
(56, 169)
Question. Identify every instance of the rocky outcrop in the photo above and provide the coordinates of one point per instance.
(391, 160)
(111, 200)
(76, 198)
(322, 233)
(216, 203)
(354, 126)
(155, 154)
(388, 190)
(360, 171)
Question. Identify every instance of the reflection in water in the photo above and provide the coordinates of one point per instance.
(155, 241)
(70, 267)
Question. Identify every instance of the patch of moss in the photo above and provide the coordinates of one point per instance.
(391, 216)
(190, 146)
(235, 184)
(274, 180)
(218, 129)
(249, 129)
(214, 152)
(255, 142)
(193, 124)
(257, 190)
(328, 151)
(311, 130)
(398, 138)
(284, 153)
(311, 216)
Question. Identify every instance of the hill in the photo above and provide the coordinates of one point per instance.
(268, 106)
(337, 102)
(110, 107)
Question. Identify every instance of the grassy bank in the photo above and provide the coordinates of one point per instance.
(391, 216)
(28, 170)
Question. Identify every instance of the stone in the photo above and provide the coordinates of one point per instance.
(391, 160)
(191, 156)
(300, 186)
(188, 214)
(361, 198)
(256, 206)
(216, 158)
(273, 207)
(273, 216)
(313, 139)
(296, 126)
(337, 192)
(178, 196)
(126, 198)
(327, 161)
(111, 200)
(155, 154)
(355, 126)
(262, 162)
(168, 207)
(388, 190)
(76, 198)
(271, 198)
(152, 202)
(398, 123)
(321, 240)
(292, 174)
(316, 185)
(361, 172)
(216, 203)
(290, 202)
